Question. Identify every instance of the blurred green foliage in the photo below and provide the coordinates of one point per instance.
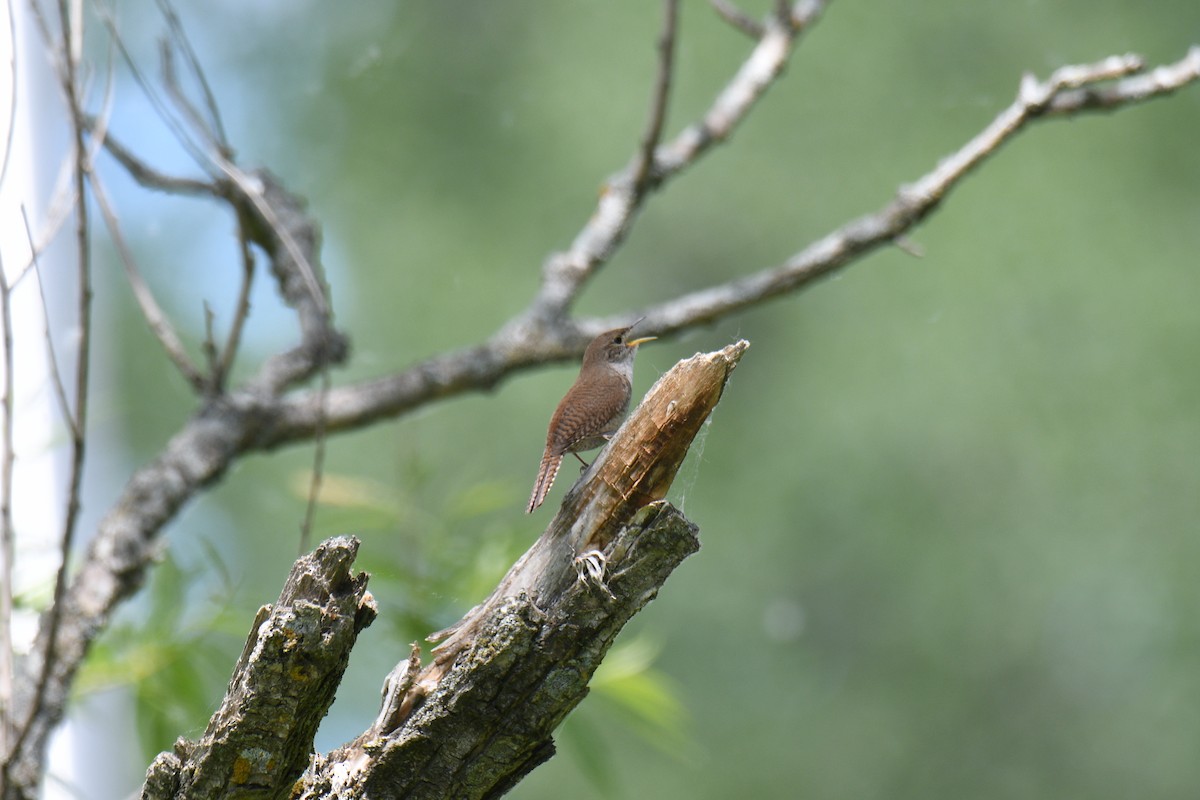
(171, 652)
(949, 506)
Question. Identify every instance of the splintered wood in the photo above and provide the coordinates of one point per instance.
(634, 469)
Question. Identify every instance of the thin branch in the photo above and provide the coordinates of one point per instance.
(12, 95)
(157, 103)
(757, 74)
(184, 44)
(71, 45)
(56, 378)
(286, 229)
(241, 312)
(149, 177)
(1160, 81)
(318, 468)
(62, 199)
(171, 80)
(72, 424)
(1068, 91)
(254, 192)
(738, 19)
(783, 12)
(565, 273)
(516, 348)
(159, 323)
(7, 535)
(209, 347)
(250, 187)
(643, 167)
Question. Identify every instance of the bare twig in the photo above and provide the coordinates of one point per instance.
(643, 167)
(915, 201)
(71, 46)
(738, 18)
(515, 348)
(254, 196)
(149, 177)
(241, 312)
(179, 97)
(734, 103)
(160, 106)
(209, 346)
(7, 535)
(1033, 101)
(60, 387)
(318, 468)
(253, 193)
(1160, 81)
(783, 12)
(247, 190)
(213, 124)
(63, 200)
(156, 318)
(12, 95)
(564, 274)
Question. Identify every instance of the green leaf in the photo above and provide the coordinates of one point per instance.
(641, 698)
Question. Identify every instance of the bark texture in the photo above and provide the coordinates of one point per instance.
(481, 714)
(260, 740)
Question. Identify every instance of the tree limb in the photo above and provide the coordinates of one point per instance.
(260, 739)
(481, 715)
(124, 546)
(564, 274)
(31, 696)
(644, 162)
(516, 347)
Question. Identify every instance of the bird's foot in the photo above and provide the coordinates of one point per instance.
(590, 568)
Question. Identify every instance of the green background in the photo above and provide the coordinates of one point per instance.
(948, 505)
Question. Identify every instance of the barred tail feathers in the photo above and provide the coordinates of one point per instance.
(545, 479)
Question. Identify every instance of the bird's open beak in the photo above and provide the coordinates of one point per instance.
(642, 340)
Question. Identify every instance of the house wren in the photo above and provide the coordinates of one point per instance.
(593, 407)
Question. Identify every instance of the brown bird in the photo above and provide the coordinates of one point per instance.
(593, 407)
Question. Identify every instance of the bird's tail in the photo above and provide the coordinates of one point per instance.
(545, 479)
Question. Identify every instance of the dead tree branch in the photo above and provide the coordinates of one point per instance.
(564, 274)
(7, 533)
(644, 163)
(117, 558)
(482, 714)
(737, 18)
(260, 739)
(1069, 91)
(31, 695)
